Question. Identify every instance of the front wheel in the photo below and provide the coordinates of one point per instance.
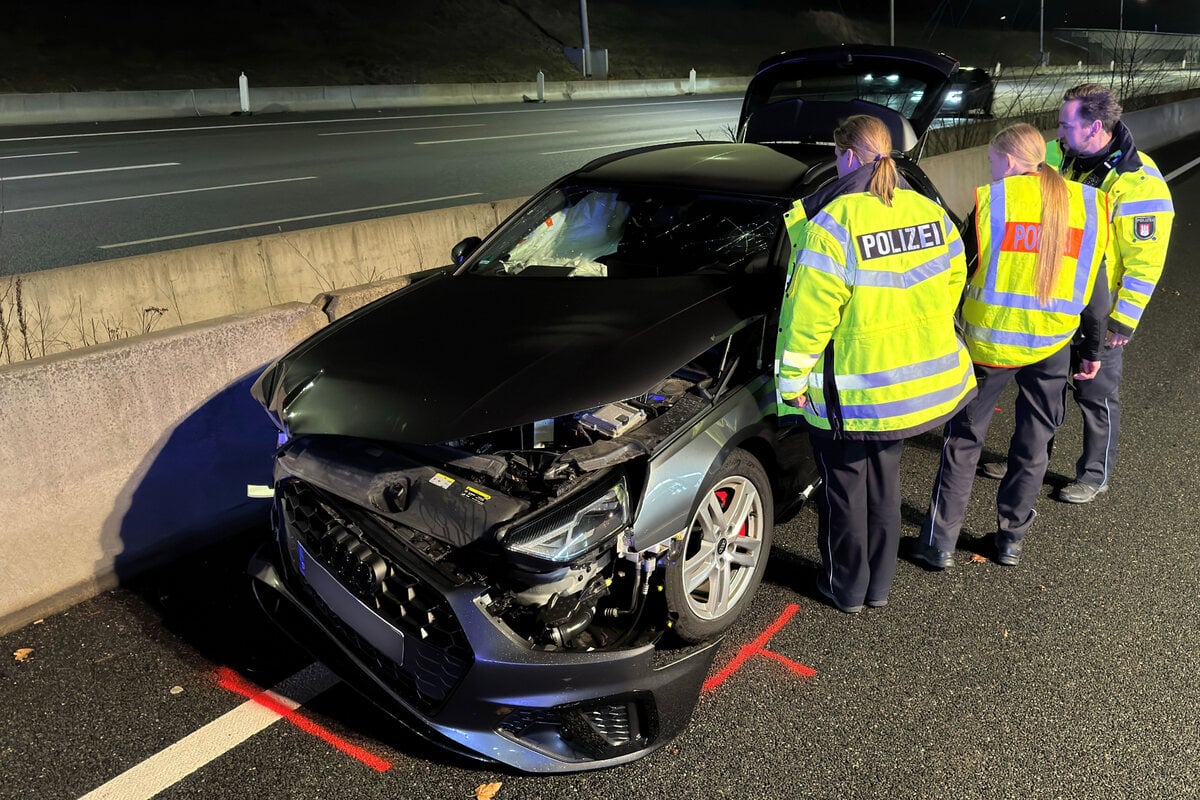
(725, 551)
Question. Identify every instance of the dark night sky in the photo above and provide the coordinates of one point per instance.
(1172, 16)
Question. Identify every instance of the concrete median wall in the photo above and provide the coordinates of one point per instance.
(60, 107)
(82, 305)
(123, 454)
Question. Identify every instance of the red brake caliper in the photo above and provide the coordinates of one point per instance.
(724, 496)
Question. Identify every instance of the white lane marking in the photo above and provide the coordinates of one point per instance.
(402, 130)
(1177, 172)
(157, 194)
(288, 219)
(648, 113)
(539, 110)
(490, 138)
(43, 155)
(174, 763)
(621, 146)
(89, 171)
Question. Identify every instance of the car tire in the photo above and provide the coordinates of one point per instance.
(724, 552)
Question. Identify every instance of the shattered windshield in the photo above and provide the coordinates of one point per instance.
(601, 232)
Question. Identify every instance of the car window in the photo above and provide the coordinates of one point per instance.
(893, 91)
(631, 232)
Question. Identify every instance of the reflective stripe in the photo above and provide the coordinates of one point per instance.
(900, 408)
(1143, 207)
(874, 380)
(1128, 309)
(1152, 172)
(1028, 302)
(992, 336)
(903, 280)
(798, 360)
(956, 248)
(1137, 285)
(792, 385)
(1086, 261)
(998, 220)
(823, 263)
(833, 228)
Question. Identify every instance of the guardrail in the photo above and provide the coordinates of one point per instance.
(118, 456)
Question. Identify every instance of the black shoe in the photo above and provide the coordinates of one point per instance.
(996, 470)
(930, 556)
(828, 595)
(1008, 553)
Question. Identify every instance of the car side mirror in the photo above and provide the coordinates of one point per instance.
(462, 251)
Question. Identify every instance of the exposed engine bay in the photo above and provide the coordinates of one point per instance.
(538, 515)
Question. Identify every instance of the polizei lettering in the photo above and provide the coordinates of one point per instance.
(900, 240)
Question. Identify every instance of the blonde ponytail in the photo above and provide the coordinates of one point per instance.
(871, 142)
(1025, 144)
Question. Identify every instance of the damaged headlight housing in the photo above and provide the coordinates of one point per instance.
(567, 532)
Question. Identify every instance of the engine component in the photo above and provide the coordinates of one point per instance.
(612, 420)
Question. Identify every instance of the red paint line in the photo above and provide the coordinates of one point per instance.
(754, 648)
(228, 679)
(795, 666)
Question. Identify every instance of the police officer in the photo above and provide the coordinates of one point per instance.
(868, 352)
(1041, 244)
(1096, 149)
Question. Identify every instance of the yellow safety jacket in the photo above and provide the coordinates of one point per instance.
(1142, 217)
(1006, 325)
(867, 323)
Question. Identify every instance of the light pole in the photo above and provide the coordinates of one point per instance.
(1042, 33)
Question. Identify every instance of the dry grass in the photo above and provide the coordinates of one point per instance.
(104, 45)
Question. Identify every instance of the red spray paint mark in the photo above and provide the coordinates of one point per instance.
(759, 648)
(228, 679)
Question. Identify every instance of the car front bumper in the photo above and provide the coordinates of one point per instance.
(495, 697)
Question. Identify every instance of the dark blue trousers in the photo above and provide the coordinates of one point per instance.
(858, 505)
(1099, 402)
(1041, 402)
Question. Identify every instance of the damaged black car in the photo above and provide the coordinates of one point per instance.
(519, 501)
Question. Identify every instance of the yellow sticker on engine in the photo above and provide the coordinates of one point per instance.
(471, 493)
(442, 481)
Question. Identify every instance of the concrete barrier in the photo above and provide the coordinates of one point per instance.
(128, 453)
(89, 303)
(61, 107)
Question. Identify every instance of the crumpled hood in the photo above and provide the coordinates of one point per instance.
(455, 356)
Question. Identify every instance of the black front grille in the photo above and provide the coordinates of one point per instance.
(436, 653)
(595, 730)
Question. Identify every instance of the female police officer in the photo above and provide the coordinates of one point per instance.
(868, 352)
(1041, 270)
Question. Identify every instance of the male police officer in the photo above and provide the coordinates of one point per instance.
(1095, 148)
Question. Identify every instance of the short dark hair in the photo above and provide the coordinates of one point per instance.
(1096, 102)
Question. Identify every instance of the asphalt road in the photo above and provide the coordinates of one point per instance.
(1073, 675)
(75, 194)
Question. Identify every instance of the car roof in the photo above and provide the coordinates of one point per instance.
(719, 166)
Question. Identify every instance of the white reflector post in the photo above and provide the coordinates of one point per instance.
(244, 93)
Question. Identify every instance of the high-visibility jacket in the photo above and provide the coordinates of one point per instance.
(1006, 325)
(867, 323)
(1142, 217)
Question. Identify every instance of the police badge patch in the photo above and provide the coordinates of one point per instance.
(1143, 227)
